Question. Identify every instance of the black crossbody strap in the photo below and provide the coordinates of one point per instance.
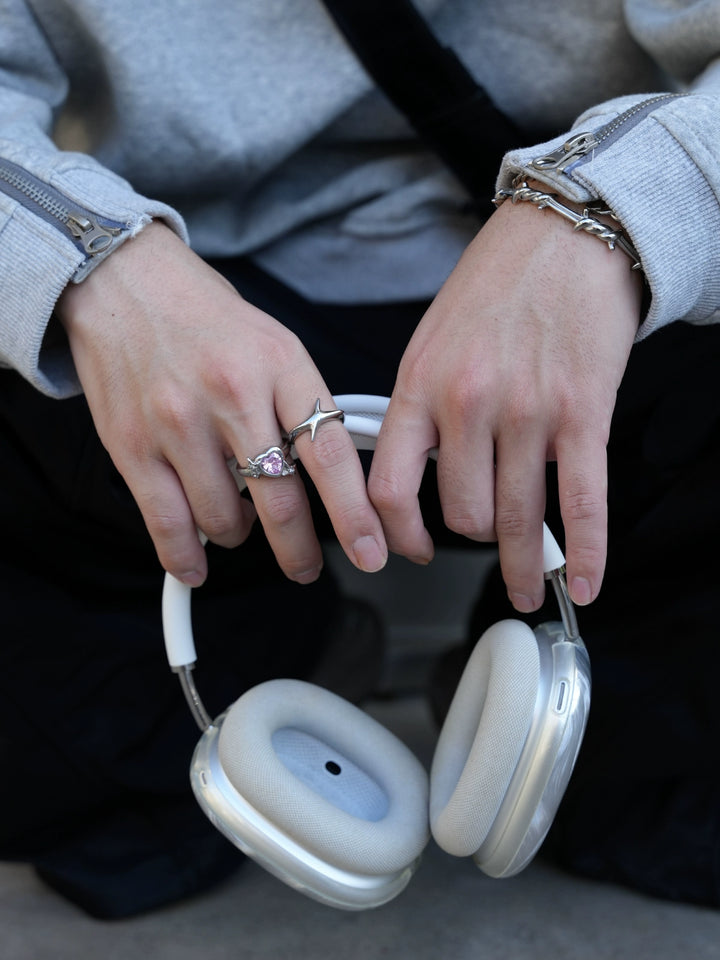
(429, 84)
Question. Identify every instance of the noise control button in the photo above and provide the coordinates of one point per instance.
(562, 697)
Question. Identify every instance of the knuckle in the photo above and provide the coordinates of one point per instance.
(464, 393)
(512, 524)
(385, 494)
(588, 556)
(221, 529)
(133, 446)
(283, 351)
(584, 418)
(163, 527)
(523, 411)
(351, 517)
(413, 371)
(283, 506)
(582, 506)
(224, 381)
(462, 519)
(173, 410)
(329, 448)
(166, 532)
(213, 526)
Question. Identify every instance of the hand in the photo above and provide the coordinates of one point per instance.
(180, 374)
(516, 363)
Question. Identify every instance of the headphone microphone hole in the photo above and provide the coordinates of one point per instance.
(333, 768)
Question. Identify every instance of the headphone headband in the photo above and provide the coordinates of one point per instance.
(364, 415)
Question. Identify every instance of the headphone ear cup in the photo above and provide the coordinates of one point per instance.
(326, 775)
(483, 736)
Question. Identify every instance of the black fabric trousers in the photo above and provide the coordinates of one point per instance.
(97, 735)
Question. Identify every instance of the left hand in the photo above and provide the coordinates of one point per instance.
(516, 363)
(180, 374)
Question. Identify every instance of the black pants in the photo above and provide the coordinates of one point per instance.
(91, 722)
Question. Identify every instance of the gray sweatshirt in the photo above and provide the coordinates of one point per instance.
(250, 128)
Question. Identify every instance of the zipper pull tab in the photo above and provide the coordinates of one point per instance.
(576, 146)
(94, 237)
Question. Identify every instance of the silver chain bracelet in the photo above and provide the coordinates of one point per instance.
(585, 221)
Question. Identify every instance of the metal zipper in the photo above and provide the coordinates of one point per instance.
(90, 233)
(579, 145)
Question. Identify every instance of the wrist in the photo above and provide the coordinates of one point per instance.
(593, 218)
(79, 300)
(563, 257)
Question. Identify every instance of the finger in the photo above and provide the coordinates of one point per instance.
(466, 479)
(173, 522)
(582, 486)
(280, 500)
(398, 465)
(519, 513)
(159, 494)
(331, 460)
(218, 509)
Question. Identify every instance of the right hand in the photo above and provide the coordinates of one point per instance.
(180, 374)
(517, 362)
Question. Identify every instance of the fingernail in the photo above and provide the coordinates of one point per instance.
(580, 591)
(523, 603)
(193, 578)
(424, 558)
(368, 554)
(308, 576)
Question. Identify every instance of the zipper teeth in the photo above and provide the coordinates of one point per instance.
(610, 128)
(35, 194)
(581, 144)
(86, 230)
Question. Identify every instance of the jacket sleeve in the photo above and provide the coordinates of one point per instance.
(61, 212)
(654, 159)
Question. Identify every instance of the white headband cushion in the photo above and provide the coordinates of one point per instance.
(273, 746)
(483, 736)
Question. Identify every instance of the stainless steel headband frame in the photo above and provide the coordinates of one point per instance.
(192, 697)
(567, 608)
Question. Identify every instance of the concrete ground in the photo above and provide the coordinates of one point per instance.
(450, 911)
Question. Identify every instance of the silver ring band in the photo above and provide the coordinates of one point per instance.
(317, 417)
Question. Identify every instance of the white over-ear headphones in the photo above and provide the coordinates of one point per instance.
(331, 802)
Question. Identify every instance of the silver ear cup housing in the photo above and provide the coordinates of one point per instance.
(549, 754)
(508, 744)
(316, 791)
(273, 849)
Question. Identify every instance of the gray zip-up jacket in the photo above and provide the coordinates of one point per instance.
(250, 128)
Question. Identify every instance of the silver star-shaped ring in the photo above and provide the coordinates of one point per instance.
(317, 417)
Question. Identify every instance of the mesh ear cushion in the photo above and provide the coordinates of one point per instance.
(483, 736)
(328, 775)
